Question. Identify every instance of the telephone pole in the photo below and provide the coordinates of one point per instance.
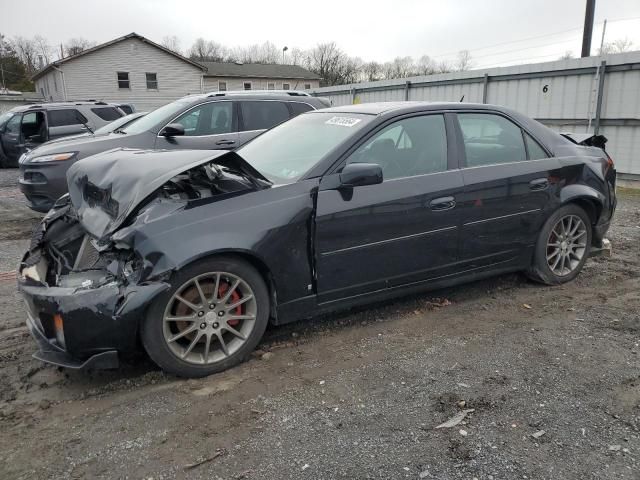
(588, 28)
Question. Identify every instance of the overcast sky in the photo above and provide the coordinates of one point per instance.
(370, 29)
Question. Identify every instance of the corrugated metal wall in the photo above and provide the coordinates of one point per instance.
(563, 95)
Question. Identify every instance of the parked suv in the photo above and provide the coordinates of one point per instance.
(211, 121)
(28, 126)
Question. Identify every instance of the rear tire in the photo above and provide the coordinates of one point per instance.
(211, 319)
(562, 247)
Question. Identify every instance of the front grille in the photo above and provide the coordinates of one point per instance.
(87, 255)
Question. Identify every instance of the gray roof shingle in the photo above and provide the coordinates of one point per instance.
(257, 70)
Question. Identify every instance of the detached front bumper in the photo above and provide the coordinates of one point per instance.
(97, 323)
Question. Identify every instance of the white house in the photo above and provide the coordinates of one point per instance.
(129, 69)
(133, 69)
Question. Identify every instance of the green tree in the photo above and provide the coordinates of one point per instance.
(13, 73)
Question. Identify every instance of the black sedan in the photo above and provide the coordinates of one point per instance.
(193, 253)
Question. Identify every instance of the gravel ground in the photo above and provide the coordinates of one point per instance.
(552, 376)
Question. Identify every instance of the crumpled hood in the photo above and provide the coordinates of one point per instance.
(105, 188)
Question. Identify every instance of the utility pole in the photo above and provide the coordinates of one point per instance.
(588, 28)
(4, 87)
(604, 30)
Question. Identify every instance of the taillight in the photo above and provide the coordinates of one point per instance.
(609, 160)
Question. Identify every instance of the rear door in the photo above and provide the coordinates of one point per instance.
(256, 116)
(65, 121)
(509, 181)
(401, 231)
(207, 126)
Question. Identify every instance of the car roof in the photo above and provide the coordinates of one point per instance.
(379, 108)
(288, 95)
(47, 105)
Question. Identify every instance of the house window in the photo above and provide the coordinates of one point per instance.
(271, 86)
(123, 80)
(222, 86)
(246, 85)
(307, 86)
(152, 81)
(285, 86)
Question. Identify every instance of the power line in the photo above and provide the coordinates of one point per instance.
(532, 38)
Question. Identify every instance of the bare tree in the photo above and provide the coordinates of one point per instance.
(27, 52)
(425, 66)
(567, 55)
(207, 50)
(617, 46)
(464, 61)
(44, 49)
(327, 60)
(297, 56)
(171, 42)
(443, 67)
(372, 71)
(74, 46)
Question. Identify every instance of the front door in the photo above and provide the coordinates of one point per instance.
(11, 137)
(208, 126)
(401, 231)
(508, 181)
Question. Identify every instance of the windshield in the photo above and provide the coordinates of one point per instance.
(164, 113)
(4, 118)
(284, 153)
(119, 123)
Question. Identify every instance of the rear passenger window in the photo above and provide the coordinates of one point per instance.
(108, 114)
(534, 150)
(490, 139)
(298, 108)
(263, 115)
(68, 116)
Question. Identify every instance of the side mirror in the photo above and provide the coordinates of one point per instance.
(172, 130)
(360, 174)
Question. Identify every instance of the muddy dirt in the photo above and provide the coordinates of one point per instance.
(552, 376)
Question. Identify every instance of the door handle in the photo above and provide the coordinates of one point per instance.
(539, 184)
(442, 203)
(225, 142)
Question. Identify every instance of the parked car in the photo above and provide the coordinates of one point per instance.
(219, 120)
(195, 252)
(110, 127)
(25, 127)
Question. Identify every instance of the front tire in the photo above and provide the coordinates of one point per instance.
(210, 320)
(562, 247)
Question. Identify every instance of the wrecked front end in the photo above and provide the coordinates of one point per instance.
(83, 300)
(86, 280)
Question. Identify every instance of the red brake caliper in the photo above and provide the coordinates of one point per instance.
(234, 298)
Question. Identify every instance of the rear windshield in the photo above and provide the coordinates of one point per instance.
(284, 153)
(108, 114)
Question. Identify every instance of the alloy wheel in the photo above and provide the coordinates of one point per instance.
(566, 245)
(209, 318)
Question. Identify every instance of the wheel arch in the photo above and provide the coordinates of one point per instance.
(587, 198)
(252, 259)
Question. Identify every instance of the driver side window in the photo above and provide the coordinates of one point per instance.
(208, 119)
(406, 148)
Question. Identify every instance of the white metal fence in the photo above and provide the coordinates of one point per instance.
(594, 94)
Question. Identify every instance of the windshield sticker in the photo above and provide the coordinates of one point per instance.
(343, 121)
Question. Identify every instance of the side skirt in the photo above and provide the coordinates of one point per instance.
(308, 307)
